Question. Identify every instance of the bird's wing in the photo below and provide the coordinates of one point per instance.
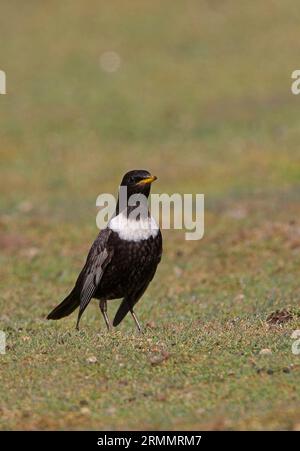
(97, 260)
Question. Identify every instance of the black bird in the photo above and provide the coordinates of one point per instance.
(123, 259)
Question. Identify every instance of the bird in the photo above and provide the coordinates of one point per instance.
(123, 259)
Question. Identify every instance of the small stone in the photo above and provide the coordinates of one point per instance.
(265, 351)
(85, 411)
(295, 334)
(92, 359)
(157, 360)
(239, 297)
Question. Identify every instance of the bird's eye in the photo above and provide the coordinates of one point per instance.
(132, 179)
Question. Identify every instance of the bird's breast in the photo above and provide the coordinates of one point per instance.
(132, 264)
(134, 229)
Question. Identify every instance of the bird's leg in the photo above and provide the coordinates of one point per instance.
(136, 320)
(81, 310)
(103, 308)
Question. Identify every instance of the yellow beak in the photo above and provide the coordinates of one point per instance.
(147, 180)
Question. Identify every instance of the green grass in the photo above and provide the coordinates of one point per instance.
(202, 99)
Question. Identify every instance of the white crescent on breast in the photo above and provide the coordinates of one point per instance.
(133, 229)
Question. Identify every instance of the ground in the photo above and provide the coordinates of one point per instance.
(202, 99)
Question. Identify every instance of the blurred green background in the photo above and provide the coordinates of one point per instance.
(199, 93)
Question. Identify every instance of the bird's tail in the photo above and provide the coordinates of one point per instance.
(66, 307)
(121, 313)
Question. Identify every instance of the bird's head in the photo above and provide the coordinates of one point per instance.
(138, 182)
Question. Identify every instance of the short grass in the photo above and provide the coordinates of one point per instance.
(202, 99)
